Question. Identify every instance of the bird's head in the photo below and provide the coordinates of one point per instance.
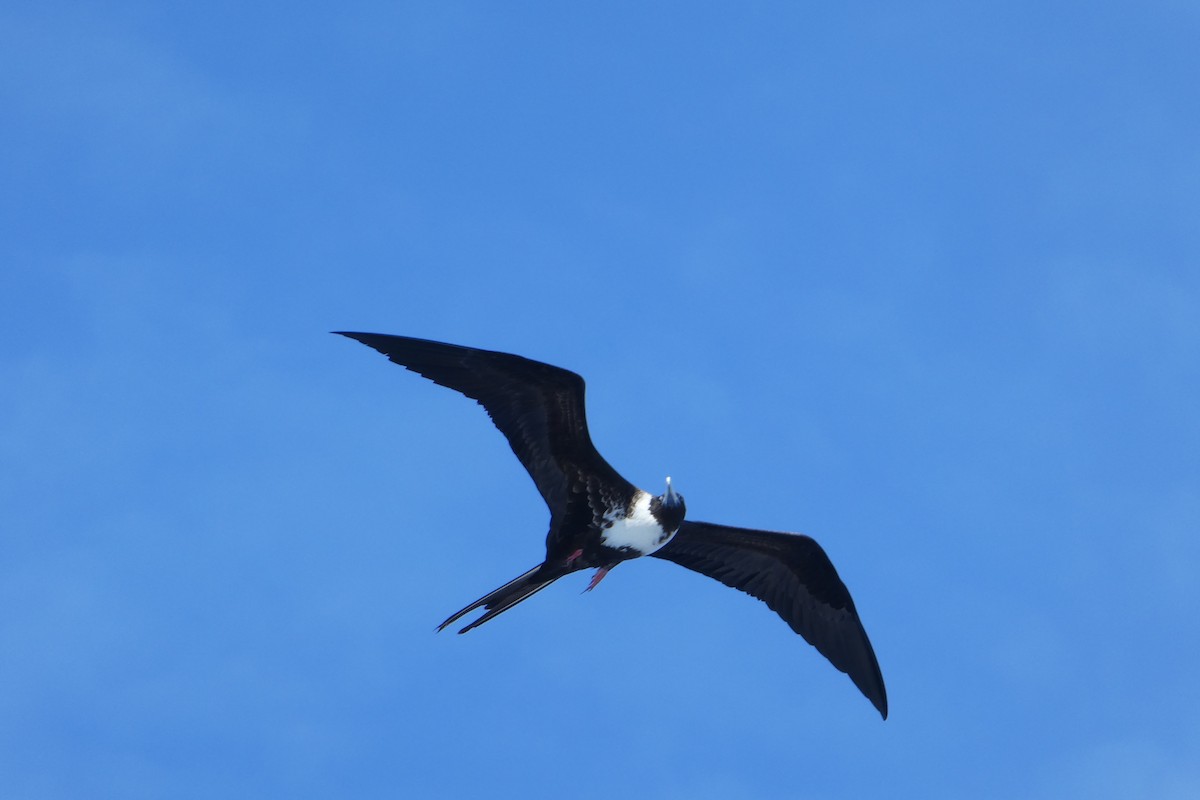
(670, 509)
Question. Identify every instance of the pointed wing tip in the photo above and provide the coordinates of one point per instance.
(376, 341)
(871, 685)
(872, 690)
(878, 698)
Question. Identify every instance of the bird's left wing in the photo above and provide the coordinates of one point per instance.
(792, 575)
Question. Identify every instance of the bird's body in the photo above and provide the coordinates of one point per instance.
(598, 519)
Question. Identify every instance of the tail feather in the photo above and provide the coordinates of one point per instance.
(507, 596)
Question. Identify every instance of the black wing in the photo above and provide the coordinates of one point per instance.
(538, 407)
(792, 575)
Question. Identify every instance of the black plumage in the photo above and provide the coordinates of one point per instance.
(793, 576)
(598, 519)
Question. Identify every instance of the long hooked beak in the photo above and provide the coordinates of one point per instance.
(670, 498)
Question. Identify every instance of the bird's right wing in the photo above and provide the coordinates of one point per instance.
(538, 407)
(792, 575)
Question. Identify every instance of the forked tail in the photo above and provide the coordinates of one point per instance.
(507, 596)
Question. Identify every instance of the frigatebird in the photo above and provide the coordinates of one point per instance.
(598, 519)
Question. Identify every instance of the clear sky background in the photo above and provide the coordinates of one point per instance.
(921, 280)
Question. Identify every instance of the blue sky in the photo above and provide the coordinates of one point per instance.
(918, 281)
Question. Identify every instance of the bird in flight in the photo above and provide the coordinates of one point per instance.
(598, 519)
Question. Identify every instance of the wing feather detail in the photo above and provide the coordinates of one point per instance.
(796, 579)
(538, 407)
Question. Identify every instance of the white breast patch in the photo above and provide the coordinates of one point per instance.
(639, 530)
